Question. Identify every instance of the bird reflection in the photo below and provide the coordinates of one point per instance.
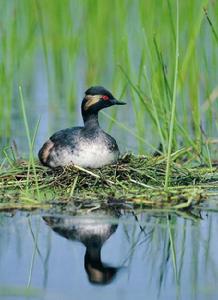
(92, 232)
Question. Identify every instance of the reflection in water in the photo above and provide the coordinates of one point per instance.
(93, 235)
(148, 255)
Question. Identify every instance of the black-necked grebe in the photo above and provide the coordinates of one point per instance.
(87, 146)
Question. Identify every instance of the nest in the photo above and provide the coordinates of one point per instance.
(135, 181)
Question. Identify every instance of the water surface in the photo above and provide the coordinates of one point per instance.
(109, 255)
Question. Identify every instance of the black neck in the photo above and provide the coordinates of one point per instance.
(90, 119)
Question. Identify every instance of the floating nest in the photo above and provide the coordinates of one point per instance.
(135, 181)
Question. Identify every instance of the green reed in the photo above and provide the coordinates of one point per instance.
(31, 141)
(173, 109)
(127, 46)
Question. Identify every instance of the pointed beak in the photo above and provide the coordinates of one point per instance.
(116, 102)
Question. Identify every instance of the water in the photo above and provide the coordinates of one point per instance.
(150, 255)
(109, 255)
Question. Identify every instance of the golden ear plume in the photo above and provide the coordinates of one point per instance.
(91, 100)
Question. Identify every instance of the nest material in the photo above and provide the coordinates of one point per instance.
(134, 180)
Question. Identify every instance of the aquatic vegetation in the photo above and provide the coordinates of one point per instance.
(57, 49)
(164, 64)
(161, 58)
(136, 181)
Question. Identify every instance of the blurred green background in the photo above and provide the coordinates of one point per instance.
(56, 49)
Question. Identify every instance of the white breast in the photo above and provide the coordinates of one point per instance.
(89, 154)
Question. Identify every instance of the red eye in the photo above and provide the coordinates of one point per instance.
(105, 97)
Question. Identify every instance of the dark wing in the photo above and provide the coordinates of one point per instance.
(111, 142)
(63, 138)
(66, 137)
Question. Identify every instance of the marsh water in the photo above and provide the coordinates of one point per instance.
(105, 254)
(55, 50)
(113, 254)
(102, 255)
